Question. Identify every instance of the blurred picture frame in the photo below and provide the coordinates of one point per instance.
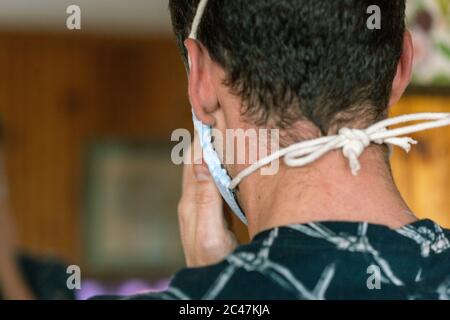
(429, 23)
(131, 224)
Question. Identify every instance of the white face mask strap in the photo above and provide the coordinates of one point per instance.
(198, 19)
(353, 142)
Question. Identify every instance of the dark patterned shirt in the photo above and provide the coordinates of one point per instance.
(45, 277)
(331, 260)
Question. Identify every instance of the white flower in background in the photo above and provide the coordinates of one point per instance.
(429, 23)
(422, 47)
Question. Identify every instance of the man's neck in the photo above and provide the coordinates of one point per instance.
(325, 191)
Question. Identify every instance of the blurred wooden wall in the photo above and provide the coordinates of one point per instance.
(58, 93)
(423, 175)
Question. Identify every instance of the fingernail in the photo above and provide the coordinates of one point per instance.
(201, 173)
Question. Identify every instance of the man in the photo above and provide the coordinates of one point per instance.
(308, 68)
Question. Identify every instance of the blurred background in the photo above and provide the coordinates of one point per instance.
(87, 117)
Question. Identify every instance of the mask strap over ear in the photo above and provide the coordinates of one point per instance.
(211, 158)
(196, 23)
(198, 19)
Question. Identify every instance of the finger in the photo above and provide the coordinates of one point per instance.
(193, 155)
(209, 203)
(186, 205)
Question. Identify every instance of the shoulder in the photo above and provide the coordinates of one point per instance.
(238, 276)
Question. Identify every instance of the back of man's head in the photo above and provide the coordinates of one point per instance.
(291, 60)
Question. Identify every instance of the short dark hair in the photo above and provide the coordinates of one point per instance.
(292, 60)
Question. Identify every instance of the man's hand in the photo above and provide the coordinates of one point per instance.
(204, 231)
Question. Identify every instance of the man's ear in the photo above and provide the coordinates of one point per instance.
(201, 90)
(404, 70)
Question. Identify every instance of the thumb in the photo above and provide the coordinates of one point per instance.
(207, 198)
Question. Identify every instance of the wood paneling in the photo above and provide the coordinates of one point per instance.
(423, 175)
(59, 93)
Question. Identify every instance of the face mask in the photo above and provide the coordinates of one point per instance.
(352, 142)
(210, 156)
(218, 173)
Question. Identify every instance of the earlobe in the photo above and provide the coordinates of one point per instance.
(404, 70)
(201, 90)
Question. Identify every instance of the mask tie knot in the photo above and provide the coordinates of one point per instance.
(356, 141)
